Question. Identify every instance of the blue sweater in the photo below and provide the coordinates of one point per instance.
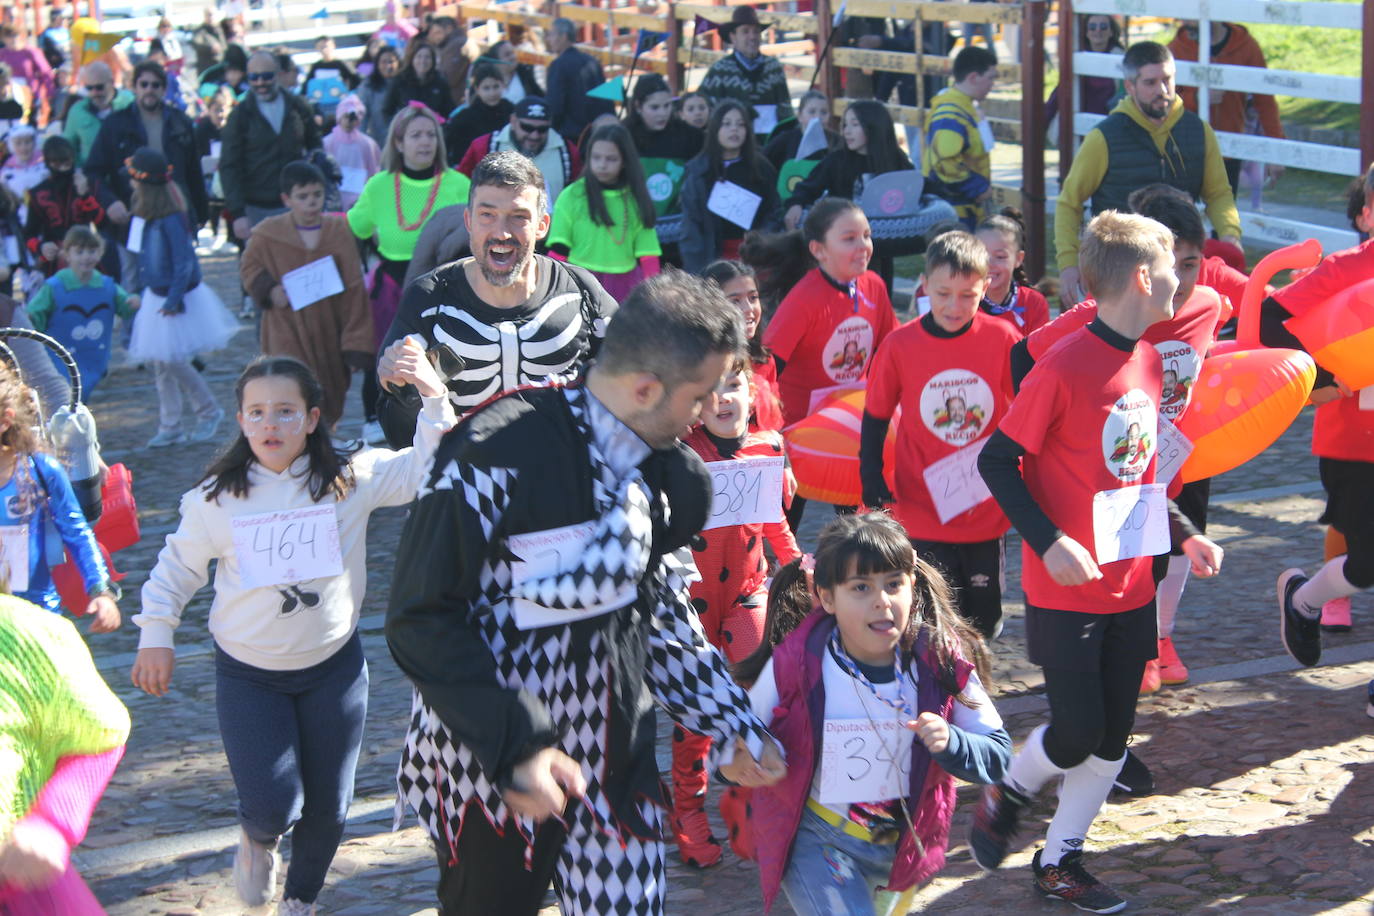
(33, 495)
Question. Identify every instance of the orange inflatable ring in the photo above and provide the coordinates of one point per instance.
(824, 450)
(1339, 334)
(1242, 402)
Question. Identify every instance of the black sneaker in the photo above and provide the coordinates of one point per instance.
(1070, 881)
(1135, 777)
(994, 824)
(1302, 636)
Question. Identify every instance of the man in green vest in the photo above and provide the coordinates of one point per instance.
(1148, 138)
(102, 97)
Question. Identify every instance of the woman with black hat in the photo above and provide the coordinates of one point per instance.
(748, 75)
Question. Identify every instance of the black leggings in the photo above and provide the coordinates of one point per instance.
(1091, 712)
(491, 876)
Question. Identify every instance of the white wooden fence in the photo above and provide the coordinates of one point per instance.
(1209, 77)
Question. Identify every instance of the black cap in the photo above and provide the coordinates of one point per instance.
(149, 166)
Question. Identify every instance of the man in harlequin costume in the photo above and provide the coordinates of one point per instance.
(731, 597)
(77, 307)
(530, 754)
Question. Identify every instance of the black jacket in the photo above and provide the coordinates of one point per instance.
(122, 133)
(253, 154)
(477, 119)
(839, 174)
(572, 75)
(405, 89)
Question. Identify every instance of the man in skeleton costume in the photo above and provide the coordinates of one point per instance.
(504, 317)
(540, 607)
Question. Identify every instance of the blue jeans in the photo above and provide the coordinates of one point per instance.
(292, 739)
(832, 872)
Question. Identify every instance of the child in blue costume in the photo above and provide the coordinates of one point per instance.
(77, 307)
(39, 515)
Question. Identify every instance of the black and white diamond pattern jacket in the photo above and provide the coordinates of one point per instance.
(586, 685)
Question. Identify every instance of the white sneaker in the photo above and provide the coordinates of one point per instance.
(207, 428)
(255, 871)
(292, 907)
(248, 309)
(372, 433)
(165, 438)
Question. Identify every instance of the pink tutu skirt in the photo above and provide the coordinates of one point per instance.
(205, 325)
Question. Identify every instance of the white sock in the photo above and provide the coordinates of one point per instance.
(1085, 789)
(1327, 585)
(1170, 593)
(1031, 768)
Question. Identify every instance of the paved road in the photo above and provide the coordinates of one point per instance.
(1263, 807)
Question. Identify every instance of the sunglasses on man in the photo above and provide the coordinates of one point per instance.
(529, 128)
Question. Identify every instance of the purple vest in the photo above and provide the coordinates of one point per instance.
(797, 724)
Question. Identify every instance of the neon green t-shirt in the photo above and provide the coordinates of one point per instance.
(606, 249)
(375, 209)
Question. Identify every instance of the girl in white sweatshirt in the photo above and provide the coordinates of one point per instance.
(285, 513)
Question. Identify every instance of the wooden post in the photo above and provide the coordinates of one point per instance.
(1068, 39)
(1367, 88)
(1033, 133)
(828, 78)
(676, 76)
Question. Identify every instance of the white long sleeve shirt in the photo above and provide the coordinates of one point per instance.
(295, 625)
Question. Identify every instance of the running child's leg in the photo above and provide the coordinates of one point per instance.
(330, 711)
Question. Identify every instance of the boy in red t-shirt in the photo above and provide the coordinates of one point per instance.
(1182, 342)
(1342, 440)
(731, 597)
(1073, 467)
(950, 374)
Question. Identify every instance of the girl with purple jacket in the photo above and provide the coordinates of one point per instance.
(878, 699)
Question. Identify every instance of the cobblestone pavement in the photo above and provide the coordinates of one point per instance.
(1262, 806)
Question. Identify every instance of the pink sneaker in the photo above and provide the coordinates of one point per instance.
(1172, 671)
(1336, 615)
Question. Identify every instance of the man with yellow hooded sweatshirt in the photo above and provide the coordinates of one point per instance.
(956, 161)
(1149, 137)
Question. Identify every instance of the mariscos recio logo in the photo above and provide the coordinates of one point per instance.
(1130, 434)
(956, 406)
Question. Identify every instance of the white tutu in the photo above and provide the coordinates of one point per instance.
(205, 325)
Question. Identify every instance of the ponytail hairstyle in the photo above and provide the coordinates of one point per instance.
(723, 272)
(631, 176)
(875, 543)
(726, 271)
(329, 473)
(789, 602)
(884, 155)
(782, 259)
(1010, 223)
(646, 84)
